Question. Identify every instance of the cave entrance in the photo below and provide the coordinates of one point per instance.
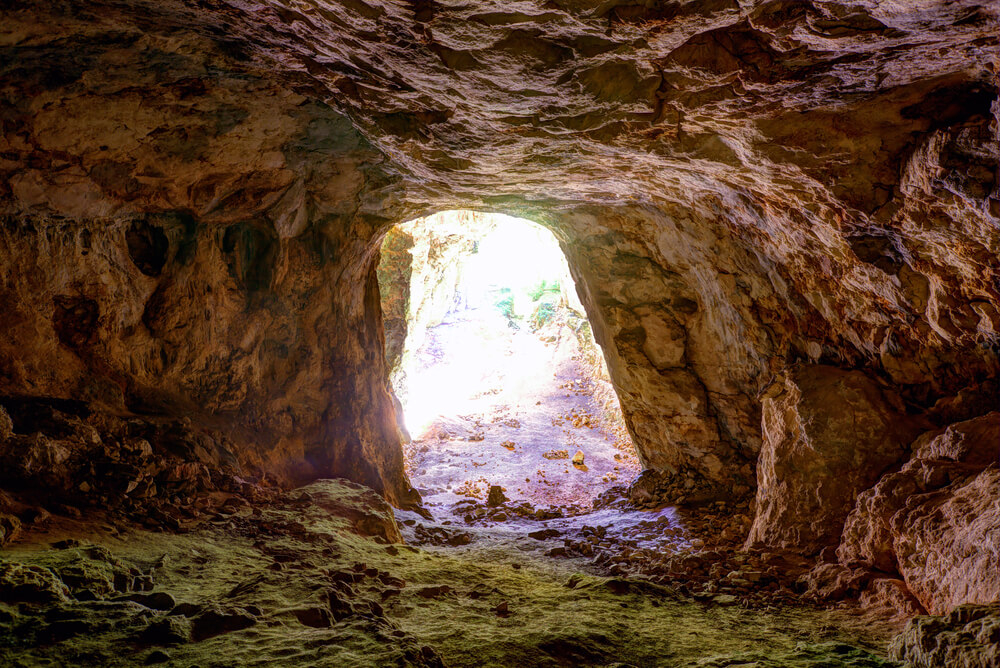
(491, 356)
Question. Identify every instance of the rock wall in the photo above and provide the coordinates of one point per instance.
(395, 270)
(176, 241)
(828, 435)
(964, 638)
(936, 521)
(681, 357)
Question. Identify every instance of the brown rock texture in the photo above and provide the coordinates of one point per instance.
(967, 637)
(395, 269)
(828, 435)
(193, 194)
(936, 522)
(157, 258)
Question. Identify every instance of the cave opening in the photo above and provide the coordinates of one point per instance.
(499, 380)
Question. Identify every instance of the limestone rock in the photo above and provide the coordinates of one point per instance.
(192, 196)
(366, 511)
(217, 620)
(394, 271)
(967, 637)
(834, 582)
(6, 425)
(828, 435)
(30, 584)
(937, 520)
(890, 598)
(10, 527)
(496, 496)
(172, 630)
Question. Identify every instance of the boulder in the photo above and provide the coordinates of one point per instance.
(828, 435)
(218, 620)
(23, 583)
(936, 522)
(967, 637)
(496, 496)
(367, 512)
(890, 598)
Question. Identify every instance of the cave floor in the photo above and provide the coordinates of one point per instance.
(511, 407)
(294, 583)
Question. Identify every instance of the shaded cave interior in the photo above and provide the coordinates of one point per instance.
(782, 220)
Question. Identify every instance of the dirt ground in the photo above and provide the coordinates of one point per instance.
(511, 407)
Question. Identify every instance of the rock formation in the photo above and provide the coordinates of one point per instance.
(815, 461)
(936, 522)
(777, 210)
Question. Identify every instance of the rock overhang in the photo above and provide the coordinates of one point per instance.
(736, 185)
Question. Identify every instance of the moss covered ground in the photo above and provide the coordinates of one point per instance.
(320, 580)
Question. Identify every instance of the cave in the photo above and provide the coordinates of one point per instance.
(782, 222)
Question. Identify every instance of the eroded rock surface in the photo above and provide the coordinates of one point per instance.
(193, 194)
(967, 637)
(735, 185)
(936, 521)
(828, 435)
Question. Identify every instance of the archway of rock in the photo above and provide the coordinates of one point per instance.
(499, 380)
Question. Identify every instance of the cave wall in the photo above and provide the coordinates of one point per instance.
(188, 239)
(193, 197)
(395, 270)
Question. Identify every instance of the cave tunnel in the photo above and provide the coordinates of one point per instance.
(781, 220)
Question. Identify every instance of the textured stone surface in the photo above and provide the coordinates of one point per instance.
(162, 261)
(395, 269)
(890, 598)
(828, 435)
(367, 512)
(967, 637)
(193, 195)
(936, 522)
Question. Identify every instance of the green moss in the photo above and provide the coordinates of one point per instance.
(489, 603)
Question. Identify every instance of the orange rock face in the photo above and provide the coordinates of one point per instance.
(936, 522)
(828, 435)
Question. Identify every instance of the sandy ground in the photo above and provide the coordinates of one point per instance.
(493, 405)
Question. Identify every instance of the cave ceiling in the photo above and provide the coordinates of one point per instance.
(549, 104)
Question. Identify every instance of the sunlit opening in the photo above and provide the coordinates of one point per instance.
(509, 275)
(494, 364)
